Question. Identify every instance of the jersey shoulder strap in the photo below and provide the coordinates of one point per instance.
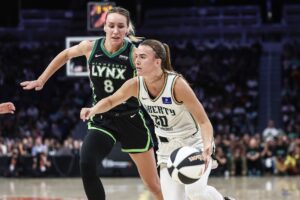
(95, 47)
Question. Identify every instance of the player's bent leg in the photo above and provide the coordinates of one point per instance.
(145, 163)
(206, 193)
(200, 190)
(170, 188)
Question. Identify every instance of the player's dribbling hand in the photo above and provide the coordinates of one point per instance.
(206, 155)
(86, 113)
(35, 84)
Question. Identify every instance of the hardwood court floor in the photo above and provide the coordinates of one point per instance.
(243, 188)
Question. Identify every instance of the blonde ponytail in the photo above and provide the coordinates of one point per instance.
(131, 34)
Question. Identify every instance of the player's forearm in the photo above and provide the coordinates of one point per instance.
(54, 65)
(103, 106)
(207, 134)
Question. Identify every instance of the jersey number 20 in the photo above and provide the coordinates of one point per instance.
(161, 120)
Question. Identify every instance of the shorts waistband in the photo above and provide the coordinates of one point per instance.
(119, 114)
(166, 140)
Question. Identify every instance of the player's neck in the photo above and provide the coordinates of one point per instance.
(155, 83)
(112, 48)
(156, 78)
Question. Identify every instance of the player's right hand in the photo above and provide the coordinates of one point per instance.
(86, 113)
(35, 84)
(7, 107)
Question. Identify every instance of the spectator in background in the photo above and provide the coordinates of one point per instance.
(280, 156)
(15, 167)
(67, 148)
(238, 164)
(253, 158)
(222, 161)
(77, 145)
(3, 147)
(39, 147)
(27, 144)
(267, 156)
(7, 107)
(41, 165)
(290, 164)
(292, 158)
(270, 131)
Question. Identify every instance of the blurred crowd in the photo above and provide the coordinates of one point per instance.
(272, 152)
(29, 156)
(50, 113)
(223, 75)
(290, 91)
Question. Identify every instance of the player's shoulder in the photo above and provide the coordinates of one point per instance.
(133, 81)
(173, 75)
(131, 85)
(88, 45)
(179, 81)
(91, 42)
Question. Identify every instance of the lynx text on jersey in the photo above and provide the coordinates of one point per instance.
(109, 71)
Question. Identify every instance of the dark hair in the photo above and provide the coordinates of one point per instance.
(162, 51)
(125, 13)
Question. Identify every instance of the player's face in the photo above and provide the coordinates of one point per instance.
(145, 60)
(116, 28)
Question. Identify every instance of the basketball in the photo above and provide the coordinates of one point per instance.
(186, 165)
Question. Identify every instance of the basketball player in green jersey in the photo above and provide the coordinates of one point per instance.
(110, 62)
(179, 118)
(7, 107)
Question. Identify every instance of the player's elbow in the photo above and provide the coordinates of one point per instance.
(110, 104)
(205, 122)
(64, 55)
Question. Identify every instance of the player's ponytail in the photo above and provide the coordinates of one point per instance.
(131, 33)
(162, 51)
(167, 64)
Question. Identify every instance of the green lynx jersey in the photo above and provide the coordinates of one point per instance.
(108, 72)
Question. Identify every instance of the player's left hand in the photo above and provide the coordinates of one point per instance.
(206, 155)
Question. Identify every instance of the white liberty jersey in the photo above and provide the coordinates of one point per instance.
(171, 118)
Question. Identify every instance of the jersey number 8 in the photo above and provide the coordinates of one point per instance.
(108, 86)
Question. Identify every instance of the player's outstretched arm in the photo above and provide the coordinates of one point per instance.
(127, 90)
(83, 48)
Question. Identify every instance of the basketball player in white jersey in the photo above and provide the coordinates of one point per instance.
(179, 117)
